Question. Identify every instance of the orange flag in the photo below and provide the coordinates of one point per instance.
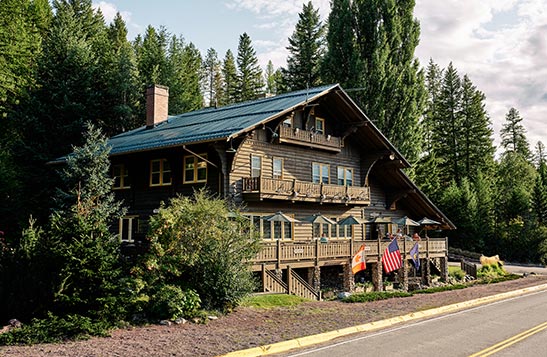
(358, 262)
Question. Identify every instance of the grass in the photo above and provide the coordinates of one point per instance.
(268, 301)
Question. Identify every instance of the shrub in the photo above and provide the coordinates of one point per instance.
(56, 329)
(375, 295)
(171, 302)
(457, 274)
(490, 271)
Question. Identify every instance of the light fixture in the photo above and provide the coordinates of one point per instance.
(231, 148)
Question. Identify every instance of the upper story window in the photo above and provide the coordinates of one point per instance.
(160, 172)
(277, 169)
(345, 176)
(126, 227)
(120, 174)
(320, 173)
(288, 122)
(256, 165)
(320, 125)
(195, 169)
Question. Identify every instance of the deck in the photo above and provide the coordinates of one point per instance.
(260, 188)
(280, 253)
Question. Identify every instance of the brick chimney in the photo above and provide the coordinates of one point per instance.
(157, 100)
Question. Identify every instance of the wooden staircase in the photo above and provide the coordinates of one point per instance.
(295, 285)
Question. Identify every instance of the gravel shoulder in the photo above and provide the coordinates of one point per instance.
(250, 327)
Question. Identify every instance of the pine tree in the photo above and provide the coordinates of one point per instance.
(513, 134)
(341, 62)
(447, 127)
(540, 155)
(183, 74)
(306, 48)
(477, 149)
(152, 56)
(229, 72)
(394, 94)
(212, 77)
(270, 79)
(249, 75)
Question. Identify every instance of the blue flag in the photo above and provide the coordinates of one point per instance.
(415, 255)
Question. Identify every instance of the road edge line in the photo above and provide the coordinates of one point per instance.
(310, 340)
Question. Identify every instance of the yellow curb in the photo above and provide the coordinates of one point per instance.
(375, 325)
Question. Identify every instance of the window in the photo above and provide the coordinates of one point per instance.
(287, 122)
(345, 231)
(120, 174)
(320, 125)
(277, 169)
(195, 169)
(320, 173)
(345, 176)
(127, 226)
(270, 230)
(160, 172)
(256, 166)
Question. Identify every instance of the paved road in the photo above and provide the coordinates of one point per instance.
(518, 325)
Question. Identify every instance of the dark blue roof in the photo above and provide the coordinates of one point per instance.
(211, 123)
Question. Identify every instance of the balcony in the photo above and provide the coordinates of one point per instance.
(309, 138)
(306, 254)
(260, 188)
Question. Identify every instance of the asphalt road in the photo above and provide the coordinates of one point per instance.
(513, 327)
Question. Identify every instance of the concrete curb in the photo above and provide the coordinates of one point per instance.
(307, 341)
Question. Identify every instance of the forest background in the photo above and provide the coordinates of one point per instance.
(62, 66)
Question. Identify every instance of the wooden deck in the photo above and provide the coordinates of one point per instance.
(260, 188)
(279, 254)
(309, 139)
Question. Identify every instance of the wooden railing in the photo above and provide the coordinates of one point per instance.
(294, 190)
(282, 253)
(469, 268)
(309, 138)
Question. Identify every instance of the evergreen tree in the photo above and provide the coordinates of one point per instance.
(341, 62)
(513, 134)
(540, 155)
(229, 72)
(249, 84)
(477, 150)
(84, 254)
(152, 57)
(122, 90)
(306, 50)
(394, 95)
(212, 77)
(270, 79)
(539, 198)
(183, 74)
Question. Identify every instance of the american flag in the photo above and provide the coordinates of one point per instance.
(391, 260)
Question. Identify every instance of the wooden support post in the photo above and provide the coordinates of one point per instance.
(377, 276)
(278, 254)
(349, 284)
(289, 279)
(263, 278)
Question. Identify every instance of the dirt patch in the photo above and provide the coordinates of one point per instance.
(248, 327)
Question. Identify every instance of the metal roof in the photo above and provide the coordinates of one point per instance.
(211, 123)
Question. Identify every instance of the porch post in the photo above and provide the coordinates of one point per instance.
(349, 283)
(377, 276)
(444, 268)
(316, 278)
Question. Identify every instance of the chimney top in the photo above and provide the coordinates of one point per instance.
(157, 101)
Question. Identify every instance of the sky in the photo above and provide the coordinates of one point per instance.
(500, 44)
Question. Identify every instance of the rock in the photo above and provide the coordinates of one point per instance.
(165, 322)
(211, 317)
(15, 323)
(180, 321)
(343, 295)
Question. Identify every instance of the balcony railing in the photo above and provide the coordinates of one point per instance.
(302, 191)
(282, 253)
(309, 138)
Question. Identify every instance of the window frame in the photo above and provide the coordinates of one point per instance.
(252, 168)
(268, 230)
(344, 178)
(321, 166)
(282, 161)
(122, 178)
(322, 130)
(132, 222)
(195, 176)
(161, 173)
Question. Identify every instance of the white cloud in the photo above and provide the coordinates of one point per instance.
(109, 11)
(501, 45)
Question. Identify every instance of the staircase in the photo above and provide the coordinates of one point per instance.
(295, 285)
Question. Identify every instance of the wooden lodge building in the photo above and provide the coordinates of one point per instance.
(305, 153)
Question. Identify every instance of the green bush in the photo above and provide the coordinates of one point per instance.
(171, 302)
(457, 274)
(56, 329)
(437, 289)
(375, 295)
(491, 271)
